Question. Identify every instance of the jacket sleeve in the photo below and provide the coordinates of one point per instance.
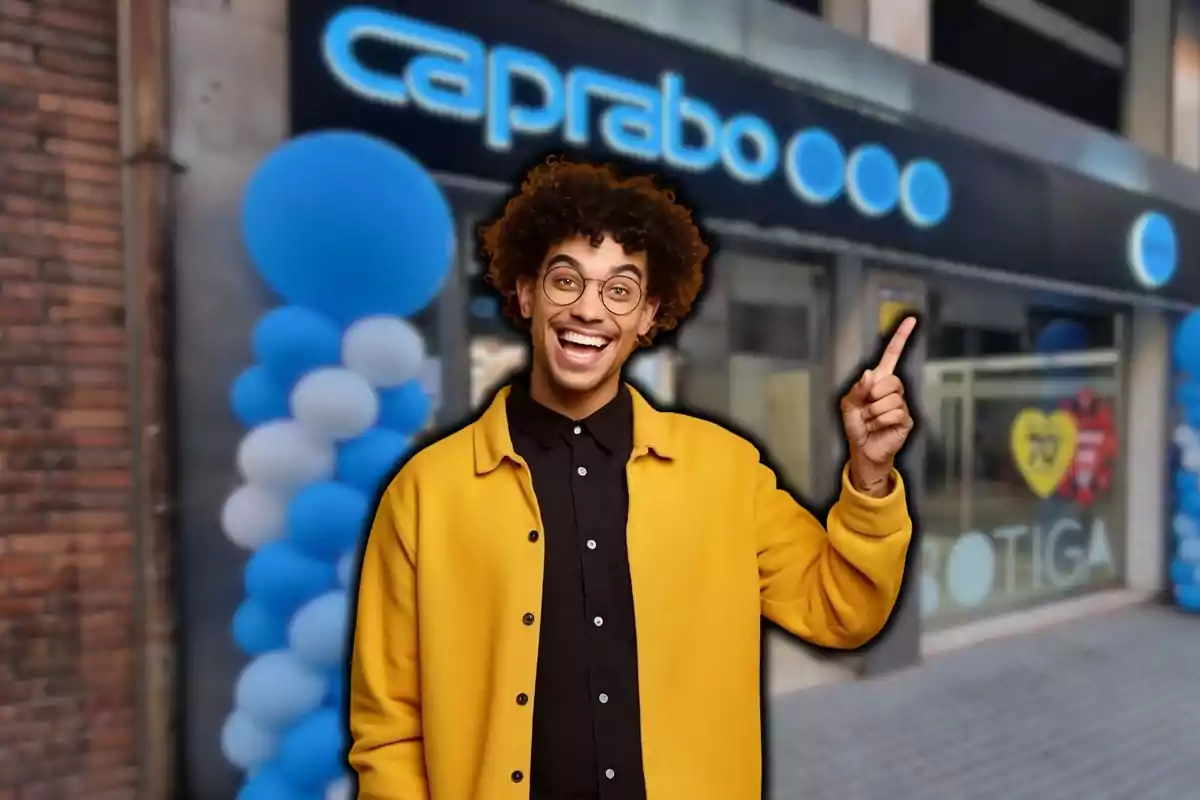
(834, 586)
(387, 747)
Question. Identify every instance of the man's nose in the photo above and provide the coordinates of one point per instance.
(589, 306)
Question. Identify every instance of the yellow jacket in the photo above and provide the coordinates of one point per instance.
(441, 651)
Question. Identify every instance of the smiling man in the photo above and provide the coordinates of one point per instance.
(562, 600)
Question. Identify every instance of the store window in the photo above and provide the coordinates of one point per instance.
(1023, 501)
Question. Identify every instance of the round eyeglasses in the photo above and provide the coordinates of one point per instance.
(620, 294)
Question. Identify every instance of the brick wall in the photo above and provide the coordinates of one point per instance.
(67, 643)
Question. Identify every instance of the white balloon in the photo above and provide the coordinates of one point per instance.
(334, 404)
(1190, 459)
(1184, 436)
(253, 516)
(280, 456)
(275, 689)
(386, 351)
(1185, 527)
(317, 632)
(347, 569)
(245, 743)
(339, 789)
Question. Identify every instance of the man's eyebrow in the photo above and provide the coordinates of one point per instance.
(628, 269)
(564, 258)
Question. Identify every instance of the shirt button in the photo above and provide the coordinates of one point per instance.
(603, 697)
(533, 536)
(582, 471)
(517, 776)
(591, 544)
(610, 774)
(598, 621)
(527, 619)
(522, 699)
(577, 430)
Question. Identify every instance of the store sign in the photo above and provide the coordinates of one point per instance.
(484, 91)
(1013, 560)
(457, 76)
(1153, 249)
(1043, 446)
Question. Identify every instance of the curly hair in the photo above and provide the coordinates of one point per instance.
(560, 199)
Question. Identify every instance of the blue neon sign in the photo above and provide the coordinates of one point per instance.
(1153, 249)
(456, 75)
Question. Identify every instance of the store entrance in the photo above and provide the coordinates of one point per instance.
(755, 355)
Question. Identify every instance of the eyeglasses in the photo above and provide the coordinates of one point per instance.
(620, 294)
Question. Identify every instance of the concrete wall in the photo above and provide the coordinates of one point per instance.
(229, 98)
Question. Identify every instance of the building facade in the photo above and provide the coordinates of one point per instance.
(848, 162)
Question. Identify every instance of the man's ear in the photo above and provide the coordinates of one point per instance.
(649, 315)
(525, 296)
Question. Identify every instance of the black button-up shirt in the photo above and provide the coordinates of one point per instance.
(586, 722)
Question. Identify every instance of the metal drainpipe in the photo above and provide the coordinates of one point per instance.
(147, 181)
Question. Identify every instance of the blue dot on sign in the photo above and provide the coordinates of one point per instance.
(924, 193)
(816, 166)
(1153, 249)
(874, 180)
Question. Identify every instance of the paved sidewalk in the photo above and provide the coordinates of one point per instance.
(1106, 708)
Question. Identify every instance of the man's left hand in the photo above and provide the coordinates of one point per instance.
(876, 419)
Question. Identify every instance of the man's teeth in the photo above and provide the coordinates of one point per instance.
(579, 338)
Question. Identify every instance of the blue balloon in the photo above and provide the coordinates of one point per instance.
(291, 342)
(256, 397)
(1187, 346)
(269, 783)
(283, 578)
(1186, 482)
(1060, 336)
(1188, 597)
(349, 225)
(312, 754)
(336, 694)
(257, 629)
(1191, 415)
(368, 460)
(405, 409)
(1182, 574)
(326, 519)
(1189, 504)
(1188, 393)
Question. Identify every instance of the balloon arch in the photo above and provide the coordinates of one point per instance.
(355, 237)
(1185, 568)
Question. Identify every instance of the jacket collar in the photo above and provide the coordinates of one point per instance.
(652, 432)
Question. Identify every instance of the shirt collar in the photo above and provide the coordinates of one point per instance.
(652, 429)
(611, 426)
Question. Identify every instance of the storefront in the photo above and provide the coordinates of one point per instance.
(830, 220)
